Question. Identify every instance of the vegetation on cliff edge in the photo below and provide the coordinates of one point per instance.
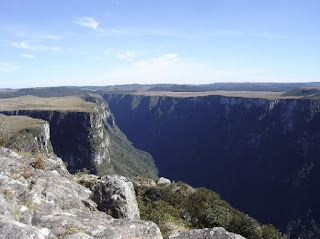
(178, 206)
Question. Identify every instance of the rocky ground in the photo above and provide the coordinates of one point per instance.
(39, 199)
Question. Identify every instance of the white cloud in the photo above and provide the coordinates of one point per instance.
(21, 45)
(6, 67)
(87, 22)
(28, 56)
(26, 46)
(168, 68)
(127, 55)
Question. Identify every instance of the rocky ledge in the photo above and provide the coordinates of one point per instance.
(40, 199)
(214, 233)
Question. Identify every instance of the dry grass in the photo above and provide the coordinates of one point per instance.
(243, 94)
(53, 103)
(16, 123)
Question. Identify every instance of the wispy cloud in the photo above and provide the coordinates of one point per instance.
(50, 37)
(27, 46)
(7, 67)
(195, 35)
(21, 45)
(28, 56)
(168, 68)
(39, 37)
(127, 55)
(87, 22)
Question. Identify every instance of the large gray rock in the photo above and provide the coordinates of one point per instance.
(163, 180)
(207, 233)
(95, 225)
(115, 195)
(49, 203)
(15, 230)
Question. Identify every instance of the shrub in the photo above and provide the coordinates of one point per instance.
(39, 162)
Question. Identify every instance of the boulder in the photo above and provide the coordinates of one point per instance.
(163, 180)
(207, 233)
(115, 195)
(145, 182)
(75, 222)
(15, 230)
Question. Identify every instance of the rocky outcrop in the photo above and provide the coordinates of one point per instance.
(47, 203)
(25, 134)
(115, 194)
(163, 180)
(214, 233)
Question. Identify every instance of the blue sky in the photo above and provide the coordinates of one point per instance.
(108, 42)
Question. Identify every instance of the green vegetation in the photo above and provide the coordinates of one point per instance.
(128, 160)
(21, 124)
(20, 133)
(244, 94)
(304, 92)
(179, 206)
(45, 92)
(275, 87)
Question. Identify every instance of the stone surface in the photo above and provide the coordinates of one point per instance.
(13, 229)
(213, 233)
(115, 195)
(49, 203)
(146, 182)
(163, 180)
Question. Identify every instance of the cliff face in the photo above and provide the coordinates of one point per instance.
(91, 140)
(71, 133)
(260, 155)
(25, 134)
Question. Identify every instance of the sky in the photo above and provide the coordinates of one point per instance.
(113, 42)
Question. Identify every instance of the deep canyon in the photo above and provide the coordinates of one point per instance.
(261, 155)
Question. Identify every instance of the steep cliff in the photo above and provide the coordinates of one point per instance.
(261, 155)
(25, 134)
(88, 138)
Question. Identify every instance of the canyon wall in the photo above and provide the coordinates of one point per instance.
(261, 155)
(91, 140)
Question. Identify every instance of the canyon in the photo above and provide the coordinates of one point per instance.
(258, 150)
(259, 153)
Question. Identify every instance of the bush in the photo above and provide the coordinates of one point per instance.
(39, 162)
(179, 204)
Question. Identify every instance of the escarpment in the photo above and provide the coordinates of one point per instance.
(87, 136)
(25, 134)
(261, 155)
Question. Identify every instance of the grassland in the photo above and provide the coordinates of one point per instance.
(244, 94)
(16, 123)
(77, 104)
